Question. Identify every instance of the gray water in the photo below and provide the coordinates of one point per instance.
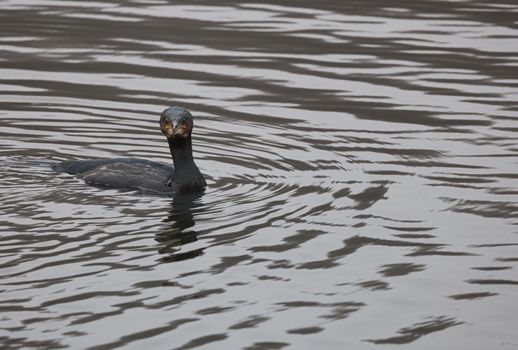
(361, 158)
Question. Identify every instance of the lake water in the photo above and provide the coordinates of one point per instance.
(361, 157)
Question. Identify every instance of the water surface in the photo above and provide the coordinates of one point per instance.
(361, 159)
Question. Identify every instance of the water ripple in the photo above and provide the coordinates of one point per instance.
(360, 161)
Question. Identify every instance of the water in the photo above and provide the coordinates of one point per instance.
(361, 159)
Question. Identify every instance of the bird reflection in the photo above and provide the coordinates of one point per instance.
(179, 232)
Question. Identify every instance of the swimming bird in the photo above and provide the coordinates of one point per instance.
(143, 175)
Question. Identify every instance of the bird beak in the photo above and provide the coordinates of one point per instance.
(174, 126)
(172, 129)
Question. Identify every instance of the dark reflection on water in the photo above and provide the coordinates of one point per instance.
(361, 160)
(410, 334)
(180, 232)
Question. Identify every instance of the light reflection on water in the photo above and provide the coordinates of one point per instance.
(361, 163)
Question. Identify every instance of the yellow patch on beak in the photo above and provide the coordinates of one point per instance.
(182, 131)
(167, 129)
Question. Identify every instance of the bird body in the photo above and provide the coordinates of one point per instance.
(144, 175)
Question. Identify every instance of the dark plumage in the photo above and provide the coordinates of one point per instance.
(139, 174)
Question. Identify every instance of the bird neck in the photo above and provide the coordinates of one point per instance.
(187, 177)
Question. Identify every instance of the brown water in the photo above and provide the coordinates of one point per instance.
(361, 158)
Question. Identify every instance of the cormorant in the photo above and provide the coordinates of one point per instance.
(176, 124)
